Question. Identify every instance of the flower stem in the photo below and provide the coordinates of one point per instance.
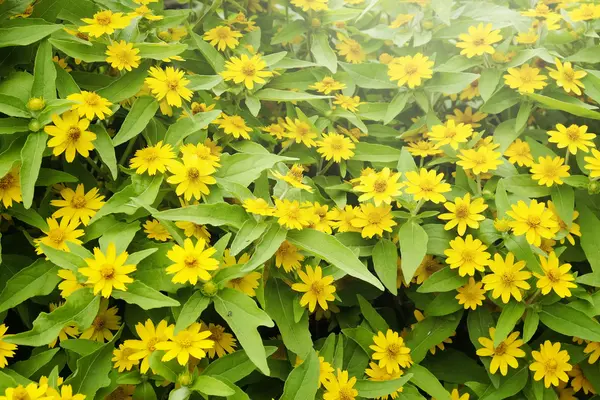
(418, 207)
(567, 156)
(127, 151)
(327, 166)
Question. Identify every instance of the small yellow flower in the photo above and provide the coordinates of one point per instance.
(59, 234)
(507, 278)
(108, 271)
(556, 277)
(106, 321)
(291, 215)
(191, 262)
(316, 288)
(350, 49)
(467, 255)
(192, 178)
(471, 91)
(234, 125)
(390, 351)
(450, 133)
(327, 85)
(258, 206)
(325, 371)
(70, 136)
(170, 84)
(293, 177)
(428, 267)
(288, 256)
(464, 212)
(10, 187)
(246, 70)
(593, 163)
(121, 358)
(340, 387)
(153, 159)
(347, 102)
(149, 336)
(525, 79)
(592, 348)
(471, 295)
(529, 37)
(315, 5)
(378, 374)
(336, 147)
(467, 117)
(77, 205)
(573, 138)
(122, 55)
(69, 283)
(7, 350)
(90, 104)
(519, 153)
(579, 381)
(380, 186)
(503, 355)
(410, 70)
(192, 341)
(549, 171)
(423, 148)
(533, 221)
(104, 22)
(426, 185)
(373, 220)
(479, 161)
(225, 343)
(300, 131)
(155, 230)
(401, 20)
(30, 392)
(566, 77)
(246, 284)
(223, 37)
(551, 364)
(585, 12)
(66, 392)
(478, 41)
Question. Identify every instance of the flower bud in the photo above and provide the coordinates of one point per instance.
(36, 104)
(184, 379)
(316, 22)
(594, 187)
(427, 24)
(210, 289)
(34, 125)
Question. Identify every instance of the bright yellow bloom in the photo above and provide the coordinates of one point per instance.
(325, 371)
(223, 37)
(592, 348)
(463, 213)
(529, 37)
(300, 131)
(340, 387)
(293, 177)
(467, 255)
(170, 84)
(121, 358)
(122, 55)
(585, 12)
(108, 271)
(556, 277)
(478, 41)
(327, 85)
(373, 220)
(316, 5)
(336, 147)
(200, 153)
(90, 104)
(426, 185)
(59, 234)
(566, 77)
(533, 221)
(104, 22)
(316, 288)
(347, 102)
(145, 12)
(343, 219)
(258, 206)
(77, 205)
(192, 341)
(291, 215)
(525, 79)
(225, 343)
(378, 374)
(234, 125)
(507, 278)
(428, 267)
(579, 381)
(7, 350)
(471, 91)
(519, 153)
(10, 187)
(450, 133)
(155, 230)
(323, 219)
(467, 117)
(479, 161)
(246, 284)
(106, 321)
(70, 135)
(593, 163)
(549, 171)
(471, 294)
(390, 351)
(153, 159)
(288, 256)
(503, 355)
(351, 49)
(192, 178)
(69, 283)
(30, 392)
(574, 229)
(401, 20)
(191, 262)
(246, 70)
(380, 186)
(149, 336)
(551, 363)
(66, 392)
(423, 148)
(574, 137)
(410, 70)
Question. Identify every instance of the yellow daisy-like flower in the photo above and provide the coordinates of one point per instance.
(347, 102)
(380, 186)
(471, 295)
(70, 136)
(77, 205)
(223, 37)
(149, 336)
(428, 267)
(153, 159)
(423, 148)
(121, 358)
(293, 177)
(192, 178)
(350, 49)
(315, 5)
(519, 153)
(593, 163)
(300, 131)
(467, 255)
(478, 41)
(69, 283)
(59, 234)
(378, 374)
(551, 364)
(373, 220)
(585, 12)
(573, 138)
(525, 79)
(191, 262)
(343, 219)
(534, 221)
(192, 341)
(471, 91)
(108, 271)
(30, 392)
(292, 215)
(316, 288)
(529, 37)
(122, 55)
(467, 117)
(10, 187)
(66, 393)
(450, 133)
(401, 20)
(145, 12)
(276, 130)
(574, 229)
(479, 161)
(336, 147)
(90, 104)
(200, 153)
(234, 125)
(503, 355)
(170, 84)
(556, 277)
(390, 351)
(592, 348)
(327, 85)
(104, 22)
(246, 284)
(549, 171)
(106, 321)
(340, 387)
(258, 206)
(325, 371)
(288, 256)
(579, 381)
(323, 218)
(225, 343)
(155, 230)
(426, 185)
(464, 212)
(507, 278)
(410, 70)
(246, 70)
(7, 350)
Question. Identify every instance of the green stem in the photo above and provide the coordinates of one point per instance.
(567, 156)
(94, 165)
(418, 207)
(478, 178)
(327, 166)
(127, 151)
(284, 192)
(533, 297)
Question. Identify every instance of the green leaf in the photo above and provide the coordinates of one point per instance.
(186, 126)
(49, 177)
(207, 214)
(369, 75)
(29, 367)
(53, 107)
(524, 185)
(427, 382)
(554, 104)
(31, 161)
(144, 391)
(65, 84)
(244, 168)
(203, 82)
(376, 389)
(89, 53)
(588, 54)
(375, 152)
(509, 386)
(431, 332)
(212, 56)
(450, 82)
(66, 260)
(570, 322)
(522, 250)
(13, 106)
(385, 257)
(510, 316)
(444, 280)
(286, 95)
(243, 317)
(413, 247)
(191, 310)
(248, 233)
(6, 381)
(375, 320)
(159, 51)
(443, 304)
(38, 279)
(322, 52)
(44, 73)
(11, 125)
(137, 119)
(505, 134)
(333, 251)
(590, 232)
(532, 320)
(396, 106)
(104, 146)
(266, 247)
(24, 31)
(563, 197)
(303, 382)
(126, 86)
(289, 32)
(167, 369)
(235, 366)
(500, 101)
(488, 82)
(29, 216)
(211, 386)
(144, 296)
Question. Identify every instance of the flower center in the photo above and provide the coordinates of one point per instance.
(393, 350)
(296, 174)
(216, 334)
(374, 218)
(20, 393)
(193, 173)
(103, 19)
(151, 344)
(78, 201)
(74, 133)
(410, 69)
(92, 99)
(380, 186)
(185, 342)
(355, 49)
(346, 394)
(573, 133)
(316, 288)
(551, 366)
(107, 271)
(468, 256)
(479, 41)
(508, 279)
(57, 236)
(99, 323)
(7, 182)
(450, 133)
(462, 211)
(553, 275)
(173, 84)
(534, 221)
(151, 155)
(336, 145)
(249, 69)
(223, 33)
(190, 262)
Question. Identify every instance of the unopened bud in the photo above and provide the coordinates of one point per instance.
(210, 289)
(34, 125)
(36, 104)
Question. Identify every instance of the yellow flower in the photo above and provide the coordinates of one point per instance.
(471, 294)
(574, 137)
(351, 49)
(153, 159)
(506, 278)
(340, 387)
(90, 104)
(467, 117)
(149, 336)
(390, 351)
(191, 262)
(144, 12)
(222, 37)
(288, 256)
(478, 41)
(169, 84)
(300, 132)
(479, 161)
(192, 341)
(196, 108)
(108, 271)
(245, 284)
(258, 206)
(373, 220)
(327, 85)
(69, 283)
(378, 374)
(291, 215)
(246, 70)
(401, 20)
(77, 205)
(348, 102)
(225, 343)
(467, 255)
(122, 55)
(174, 34)
(549, 171)
(323, 218)
(529, 37)
(30, 392)
(306, 5)
(155, 230)
(122, 360)
(533, 221)
(234, 125)
(200, 153)
(316, 288)
(343, 219)
(423, 148)
(380, 186)
(579, 381)
(451, 133)
(69, 330)
(410, 70)
(471, 91)
(336, 147)
(594, 349)
(70, 135)
(463, 213)
(556, 277)
(293, 177)
(551, 363)
(426, 185)
(503, 355)
(10, 187)
(566, 77)
(7, 350)
(593, 163)
(519, 153)
(585, 12)
(276, 130)
(192, 178)
(61, 62)
(428, 267)
(59, 234)
(104, 22)
(325, 371)
(66, 393)
(525, 79)
(106, 321)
